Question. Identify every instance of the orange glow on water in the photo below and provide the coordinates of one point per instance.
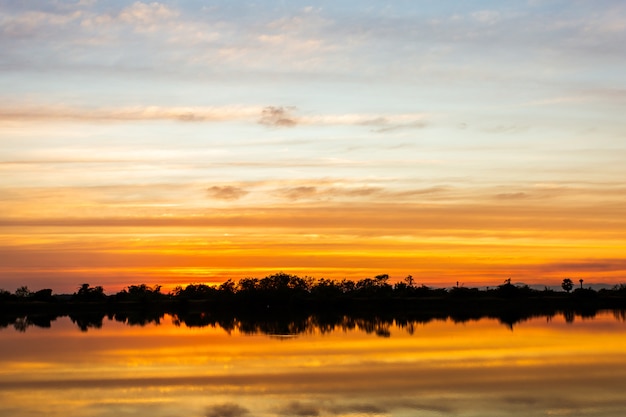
(478, 366)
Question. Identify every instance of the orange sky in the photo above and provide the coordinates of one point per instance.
(437, 244)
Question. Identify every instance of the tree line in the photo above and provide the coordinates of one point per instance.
(287, 289)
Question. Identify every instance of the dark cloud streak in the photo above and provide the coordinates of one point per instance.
(226, 192)
(278, 117)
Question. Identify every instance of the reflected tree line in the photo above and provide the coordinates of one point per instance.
(284, 304)
(287, 325)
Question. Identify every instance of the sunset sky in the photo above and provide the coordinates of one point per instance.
(188, 141)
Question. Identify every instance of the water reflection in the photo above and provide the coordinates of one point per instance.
(210, 366)
(288, 324)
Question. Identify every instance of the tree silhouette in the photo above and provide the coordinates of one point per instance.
(43, 295)
(567, 285)
(5, 295)
(409, 280)
(227, 287)
(141, 293)
(87, 293)
(23, 292)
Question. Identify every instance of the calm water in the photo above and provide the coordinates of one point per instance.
(481, 368)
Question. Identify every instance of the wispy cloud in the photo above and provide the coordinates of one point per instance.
(512, 196)
(287, 117)
(329, 190)
(226, 192)
(304, 192)
(129, 113)
(392, 127)
(378, 123)
(270, 116)
(146, 14)
(595, 265)
(538, 220)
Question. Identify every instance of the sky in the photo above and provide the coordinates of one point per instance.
(194, 142)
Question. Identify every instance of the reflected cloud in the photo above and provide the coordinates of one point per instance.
(226, 410)
(297, 408)
(434, 406)
(362, 408)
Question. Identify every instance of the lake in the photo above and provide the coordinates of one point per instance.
(545, 366)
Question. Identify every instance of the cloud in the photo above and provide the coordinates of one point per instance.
(306, 41)
(505, 129)
(363, 408)
(27, 25)
(584, 96)
(270, 116)
(304, 192)
(366, 205)
(380, 123)
(297, 408)
(278, 117)
(596, 265)
(359, 191)
(146, 13)
(337, 192)
(526, 401)
(82, 24)
(129, 113)
(226, 192)
(512, 196)
(438, 189)
(390, 124)
(488, 17)
(226, 410)
(297, 193)
(436, 406)
(405, 126)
